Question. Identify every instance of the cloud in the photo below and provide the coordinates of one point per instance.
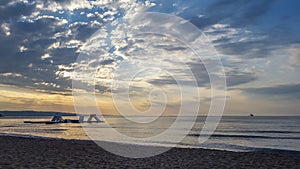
(286, 90)
(234, 77)
(237, 13)
(248, 32)
(40, 41)
(163, 80)
(294, 58)
(15, 9)
(11, 75)
(45, 56)
(55, 5)
(44, 38)
(238, 78)
(248, 49)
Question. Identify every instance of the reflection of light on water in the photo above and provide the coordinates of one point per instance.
(261, 126)
(66, 131)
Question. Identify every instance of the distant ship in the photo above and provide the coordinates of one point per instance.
(251, 115)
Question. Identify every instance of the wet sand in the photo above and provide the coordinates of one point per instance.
(47, 153)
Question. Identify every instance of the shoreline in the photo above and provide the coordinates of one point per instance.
(255, 149)
(18, 152)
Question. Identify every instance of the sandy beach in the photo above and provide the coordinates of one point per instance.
(46, 153)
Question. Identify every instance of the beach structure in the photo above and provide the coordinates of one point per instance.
(90, 119)
(93, 116)
(59, 119)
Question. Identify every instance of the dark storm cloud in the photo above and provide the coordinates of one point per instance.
(288, 90)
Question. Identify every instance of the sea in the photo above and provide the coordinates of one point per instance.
(234, 133)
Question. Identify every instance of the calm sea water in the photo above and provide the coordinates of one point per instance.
(233, 133)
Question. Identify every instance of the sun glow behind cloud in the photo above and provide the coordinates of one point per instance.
(41, 41)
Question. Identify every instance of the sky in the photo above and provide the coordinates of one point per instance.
(42, 43)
